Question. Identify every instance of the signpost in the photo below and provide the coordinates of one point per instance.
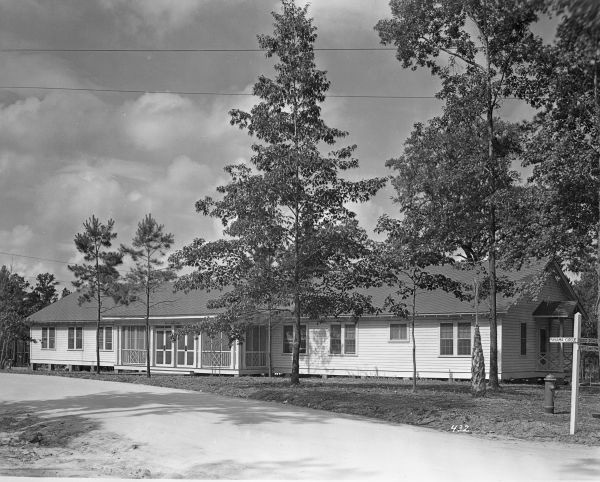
(577, 347)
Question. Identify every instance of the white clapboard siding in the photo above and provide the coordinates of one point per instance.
(515, 365)
(62, 355)
(376, 355)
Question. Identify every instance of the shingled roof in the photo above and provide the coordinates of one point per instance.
(179, 304)
(166, 302)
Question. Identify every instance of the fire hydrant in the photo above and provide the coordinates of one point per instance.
(549, 388)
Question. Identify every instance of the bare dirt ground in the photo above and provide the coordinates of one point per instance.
(69, 446)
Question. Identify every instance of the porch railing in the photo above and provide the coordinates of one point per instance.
(131, 356)
(216, 358)
(256, 359)
(551, 362)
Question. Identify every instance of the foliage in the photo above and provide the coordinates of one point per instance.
(564, 144)
(150, 244)
(481, 51)
(286, 215)
(44, 292)
(404, 261)
(14, 308)
(96, 277)
(586, 288)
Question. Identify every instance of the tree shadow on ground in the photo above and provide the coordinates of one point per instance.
(583, 467)
(284, 469)
(136, 403)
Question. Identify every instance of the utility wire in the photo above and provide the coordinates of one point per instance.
(32, 50)
(230, 94)
(226, 94)
(35, 257)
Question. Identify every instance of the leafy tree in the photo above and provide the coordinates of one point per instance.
(564, 145)
(244, 270)
(44, 292)
(586, 288)
(405, 261)
(149, 246)
(481, 50)
(65, 292)
(97, 275)
(14, 308)
(292, 199)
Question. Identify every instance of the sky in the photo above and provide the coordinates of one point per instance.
(65, 155)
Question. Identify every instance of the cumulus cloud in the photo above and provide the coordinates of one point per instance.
(159, 16)
(15, 238)
(157, 121)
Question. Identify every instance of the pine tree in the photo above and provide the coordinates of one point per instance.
(98, 275)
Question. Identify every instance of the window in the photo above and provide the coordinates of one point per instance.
(446, 339)
(288, 338)
(342, 339)
(105, 338)
(464, 339)
(350, 339)
(48, 338)
(398, 332)
(256, 338)
(75, 338)
(335, 340)
(523, 338)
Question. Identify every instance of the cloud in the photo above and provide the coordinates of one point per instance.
(158, 121)
(15, 238)
(158, 16)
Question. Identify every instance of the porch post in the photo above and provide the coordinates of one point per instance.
(561, 333)
(199, 364)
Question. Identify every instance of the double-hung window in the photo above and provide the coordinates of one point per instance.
(446, 338)
(464, 339)
(48, 338)
(105, 337)
(342, 339)
(288, 338)
(398, 332)
(455, 339)
(75, 338)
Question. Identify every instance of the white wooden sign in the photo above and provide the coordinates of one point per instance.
(576, 340)
(575, 374)
(563, 339)
(589, 348)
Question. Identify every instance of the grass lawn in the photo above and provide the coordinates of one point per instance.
(516, 411)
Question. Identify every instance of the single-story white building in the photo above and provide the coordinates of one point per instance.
(370, 346)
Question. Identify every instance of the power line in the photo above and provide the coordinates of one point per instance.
(226, 94)
(34, 257)
(323, 49)
(230, 94)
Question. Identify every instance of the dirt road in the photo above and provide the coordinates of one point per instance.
(107, 429)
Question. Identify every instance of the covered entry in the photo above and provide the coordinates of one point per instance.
(554, 319)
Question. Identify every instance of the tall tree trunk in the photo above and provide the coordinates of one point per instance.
(295, 377)
(477, 359)
(148, 319)
(414, 346)
(270, 359)
(99, 300)
(597, 114)
(3, 354)
(494, 385)
(97, 334)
